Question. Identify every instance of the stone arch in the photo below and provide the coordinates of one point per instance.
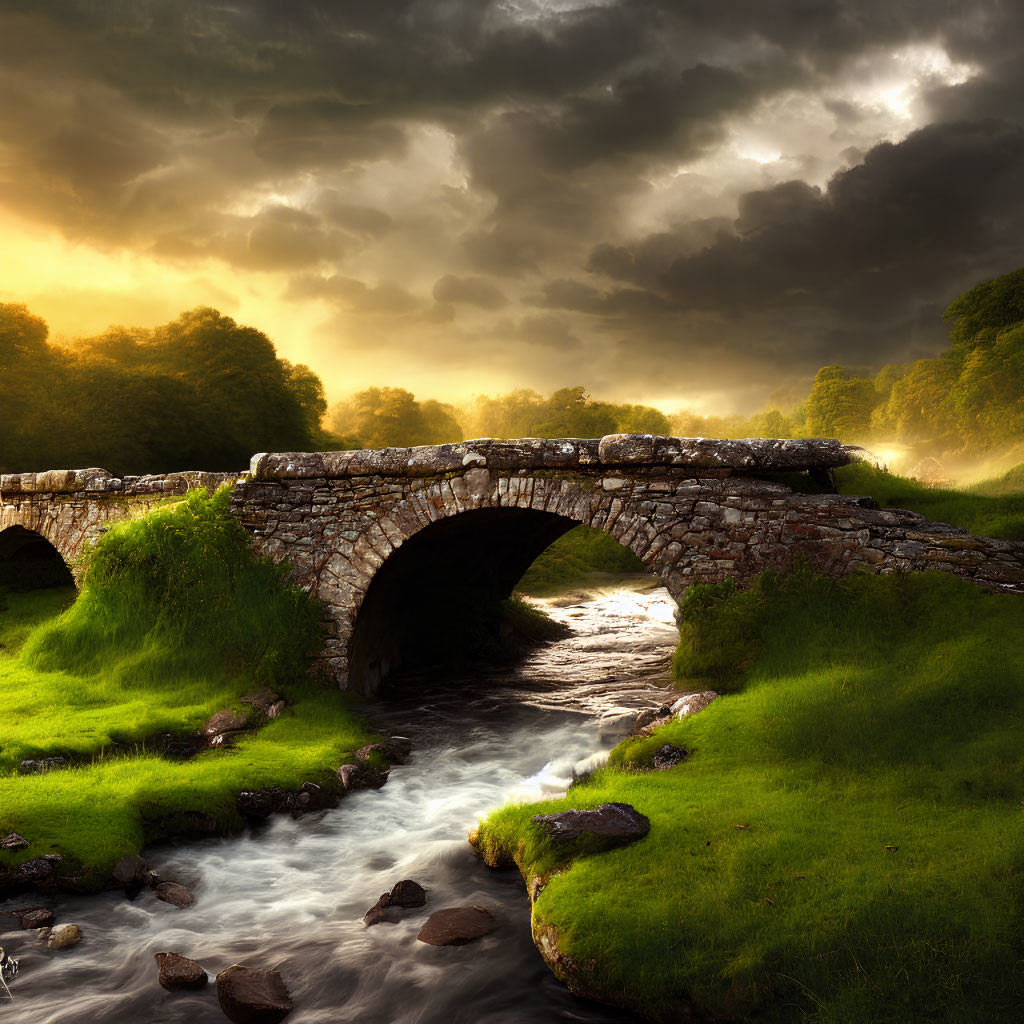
(29, 561)
(467, 535)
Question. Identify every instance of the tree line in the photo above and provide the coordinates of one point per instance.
(206, 392)
(201, 392)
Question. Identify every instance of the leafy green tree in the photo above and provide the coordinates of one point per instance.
(392, 418)
(840, 404)
(200, 392)
(641, 419)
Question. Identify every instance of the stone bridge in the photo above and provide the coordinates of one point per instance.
(392, 540)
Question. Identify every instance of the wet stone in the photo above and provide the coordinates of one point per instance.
(179, 972)
(63, 936)
(404, 895)
(131, 870)
(361, 776)
(176, 895)
(455, 926)
(609, 821)
(40, 870)
(41, 918)
(251, 996)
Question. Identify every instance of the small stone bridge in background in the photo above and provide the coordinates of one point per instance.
(389, 539)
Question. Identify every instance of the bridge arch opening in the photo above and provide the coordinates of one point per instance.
(28, 561)
(435, 597)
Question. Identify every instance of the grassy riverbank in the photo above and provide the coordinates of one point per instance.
(994, 508)
(176, 621)
(842, 843)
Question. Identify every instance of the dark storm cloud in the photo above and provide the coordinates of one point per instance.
(584, 298)
(916, 221)
(470, 152)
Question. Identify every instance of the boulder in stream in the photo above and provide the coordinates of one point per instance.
(404, 895)
(132, 871)
(609, 821)
(39, 918)
(64, 936)
(171, 892)
(361, 776)
(251, 996)
(455, 926)
(178, 972)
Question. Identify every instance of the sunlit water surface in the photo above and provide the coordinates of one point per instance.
(291, 895)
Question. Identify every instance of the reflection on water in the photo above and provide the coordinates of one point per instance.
(291, 895)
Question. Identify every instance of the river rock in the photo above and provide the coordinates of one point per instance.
(361, 776)
(63, 936)
(14, 842)
(224, 722)
(408, 893)
(456, 926)
(178, 972)
(650, 716)
(260, 803)
(39, 870)
(395, 750)
(131, 871)
(41, 918)
(404, 895)
(609, 821)
(692, 703)
(668, 756)
(251, 996)
(171, 892)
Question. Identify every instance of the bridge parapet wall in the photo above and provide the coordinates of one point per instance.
(72, 507)
(694, 510)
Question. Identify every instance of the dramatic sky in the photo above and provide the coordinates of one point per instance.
(684, 202)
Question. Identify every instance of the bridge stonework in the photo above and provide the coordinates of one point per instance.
(363, 530)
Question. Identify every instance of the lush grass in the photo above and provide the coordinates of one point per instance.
(992, 509)
(574, 558)
(872, 753)
(1010, 482)
(176, 621)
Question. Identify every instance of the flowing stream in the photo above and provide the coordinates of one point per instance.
(291, 895)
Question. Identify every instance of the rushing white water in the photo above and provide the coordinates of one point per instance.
(291, 895)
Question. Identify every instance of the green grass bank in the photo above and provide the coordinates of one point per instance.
(994, 508)
(176, 620)
(844, 842)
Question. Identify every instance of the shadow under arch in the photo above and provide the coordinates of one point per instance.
(423, 599)
(28, 561)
